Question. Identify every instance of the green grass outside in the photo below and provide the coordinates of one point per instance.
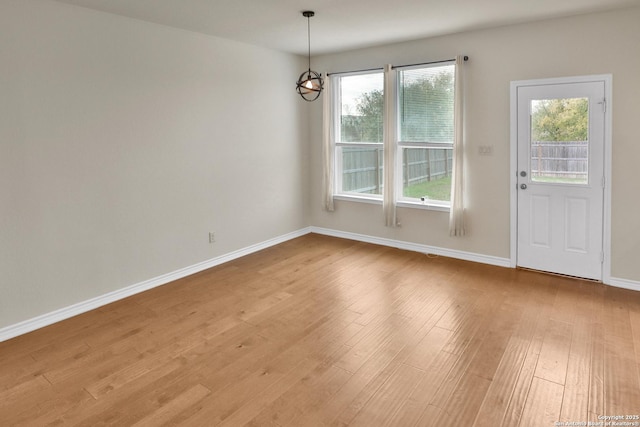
(439, 189)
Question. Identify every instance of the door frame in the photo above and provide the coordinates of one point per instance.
(513, 169)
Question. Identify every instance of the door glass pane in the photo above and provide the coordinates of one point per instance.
(426, 173)
(362, 170)
(560, 140)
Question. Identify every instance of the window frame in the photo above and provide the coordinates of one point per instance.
(396, 142)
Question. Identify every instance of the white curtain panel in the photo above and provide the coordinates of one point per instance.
(389, 156)
(456, 215)
(328, 173)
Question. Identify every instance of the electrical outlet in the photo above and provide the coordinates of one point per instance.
(212, 237)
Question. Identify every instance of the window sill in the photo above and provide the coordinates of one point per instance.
(358, 199)
(424, 206)
(401, 204)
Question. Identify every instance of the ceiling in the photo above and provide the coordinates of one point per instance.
(341, 24)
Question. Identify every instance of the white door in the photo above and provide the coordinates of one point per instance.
(560, 178)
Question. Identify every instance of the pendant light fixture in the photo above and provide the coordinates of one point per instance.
(309, 83)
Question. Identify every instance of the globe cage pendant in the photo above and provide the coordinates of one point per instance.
(310, 83)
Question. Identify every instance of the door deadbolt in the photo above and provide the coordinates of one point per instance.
(523, 174)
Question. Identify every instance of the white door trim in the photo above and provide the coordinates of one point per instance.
(513, 168)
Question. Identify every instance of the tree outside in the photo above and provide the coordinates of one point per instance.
(560, 119)
(366, 125)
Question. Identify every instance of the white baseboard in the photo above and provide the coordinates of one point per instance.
(47, 319)
(416, 247)
(624, 283)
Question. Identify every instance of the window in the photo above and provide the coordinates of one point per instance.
(425, 133)
(422, 119)
(359, 134)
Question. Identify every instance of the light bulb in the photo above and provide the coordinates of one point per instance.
(308, 84)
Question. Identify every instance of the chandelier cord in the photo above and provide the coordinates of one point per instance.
(309, 40)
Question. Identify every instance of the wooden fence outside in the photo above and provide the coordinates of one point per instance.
(362, 167)
(362, 170)
(560, 159)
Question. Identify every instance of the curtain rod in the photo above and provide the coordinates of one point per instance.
(466, 58)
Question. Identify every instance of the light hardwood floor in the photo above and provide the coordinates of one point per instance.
(322, 331)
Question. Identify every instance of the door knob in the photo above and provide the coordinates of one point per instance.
(523, 186)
